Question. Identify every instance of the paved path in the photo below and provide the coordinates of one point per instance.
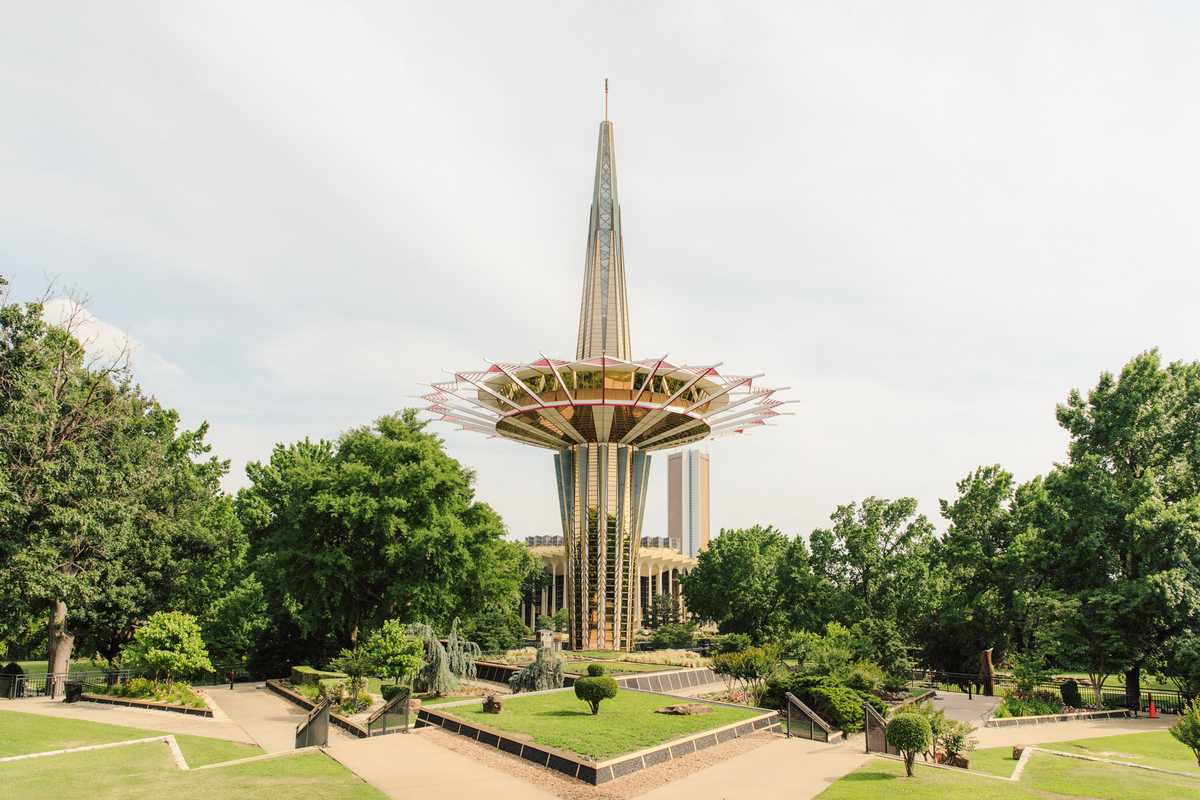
(795, 769)
(1066, 731)
(407, 765)
(163, 721)
(268, 719)
(958, 706)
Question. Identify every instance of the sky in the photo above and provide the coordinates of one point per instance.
(930, 220)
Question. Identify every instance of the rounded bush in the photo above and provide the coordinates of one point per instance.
(910, 734)
(593, 689)
(1070, 694)
(595, 670)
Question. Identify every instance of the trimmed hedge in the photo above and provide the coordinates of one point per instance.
(389, 690)
(306, 674)
(835, 702)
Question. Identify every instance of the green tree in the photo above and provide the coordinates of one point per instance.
(110, 511)
(381, 524)
(664, 610)
(874, 562)
(169, 645)
(234, 622)
(910, 734)
(394, 652)
(593, 689)
(1181, 663)
(736, 582)
(1124, 526)
(1187, 728)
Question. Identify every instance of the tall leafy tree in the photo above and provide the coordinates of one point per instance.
(874, 562)
(380, 524)
(736, 582)
(108, 514)
(1126, 524)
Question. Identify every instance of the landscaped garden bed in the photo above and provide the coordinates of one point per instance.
(629, 732)
(145, 693)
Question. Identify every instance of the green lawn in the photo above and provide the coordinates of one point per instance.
(1153, 749)
(1045, 777)
(147, 772)
(77, 665)
(22, 733)
(624, 724)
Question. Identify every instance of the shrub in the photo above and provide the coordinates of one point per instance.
(593, 689)
(864, 676)
(173, 692)
(390, 691)
(1037, 704)
(733, 643)
(310, 675)
(595, 670)
(1187, 729)
(1070, 694)
(675, 635)
(169, 644)
(357, 664)
(750, 667)
(910, 734)
(955, 738)
(840, 706)
(1028, 671)
(825, 695)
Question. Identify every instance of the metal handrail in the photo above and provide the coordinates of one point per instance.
(814, 721)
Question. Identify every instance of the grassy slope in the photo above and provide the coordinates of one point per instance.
(33, 733)
(624, 724)
(1153, 749)
(146, 772)
(1045, 777)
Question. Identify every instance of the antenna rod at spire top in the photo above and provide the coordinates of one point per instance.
(606, 99)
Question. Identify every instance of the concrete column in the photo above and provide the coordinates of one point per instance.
(553, 586)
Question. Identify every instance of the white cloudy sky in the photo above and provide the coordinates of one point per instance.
(931, 220)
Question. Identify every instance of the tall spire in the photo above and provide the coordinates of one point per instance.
(604, 310)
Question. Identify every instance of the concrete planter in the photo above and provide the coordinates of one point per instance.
(151, 704)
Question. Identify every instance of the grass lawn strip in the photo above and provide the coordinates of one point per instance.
(1045, 776)
(146, 772)
(625, 724)
(22, 733)
(1151, 749)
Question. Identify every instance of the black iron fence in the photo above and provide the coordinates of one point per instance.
(1166, 701)
(42, 684)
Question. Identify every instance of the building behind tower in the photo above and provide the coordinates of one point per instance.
(687, 500)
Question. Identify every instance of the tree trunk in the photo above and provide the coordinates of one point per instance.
(1133, 687)
(987, 673)
(61, 644)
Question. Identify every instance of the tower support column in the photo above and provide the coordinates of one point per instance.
(602, 493)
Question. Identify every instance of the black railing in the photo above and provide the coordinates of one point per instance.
(807, 724)
(41, 684)
(1166, 701)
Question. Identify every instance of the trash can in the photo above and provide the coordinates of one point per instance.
(74, 691)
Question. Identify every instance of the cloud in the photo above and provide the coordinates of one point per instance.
(107, 342)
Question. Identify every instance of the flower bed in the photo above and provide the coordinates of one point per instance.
(171, 693)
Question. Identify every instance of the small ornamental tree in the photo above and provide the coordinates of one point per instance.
(595, 688)
(1187, 729)
(544, 672)
(357, 664)
(395, 654)
(167, 645)
(910, 734)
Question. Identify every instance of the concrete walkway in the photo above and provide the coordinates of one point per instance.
(407, 765)
(160, 721)
(1066, 731)
(784, 769)
(267, 719)
(958, 706)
